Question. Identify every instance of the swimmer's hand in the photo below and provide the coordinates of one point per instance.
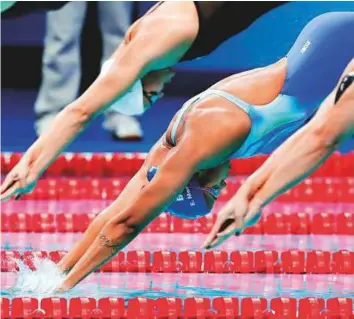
(21, 180)
(61, 289)
(238, 214)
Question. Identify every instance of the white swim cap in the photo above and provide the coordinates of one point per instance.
(132, 102)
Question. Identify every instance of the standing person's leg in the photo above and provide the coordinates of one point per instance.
(61, 69)
(115, 18)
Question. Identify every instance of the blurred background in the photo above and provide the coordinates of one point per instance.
(22, 45)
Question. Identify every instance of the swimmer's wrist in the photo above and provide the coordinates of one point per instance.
(245, 191)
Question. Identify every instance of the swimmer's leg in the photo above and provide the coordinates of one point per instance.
(319, 55)
(128, 195)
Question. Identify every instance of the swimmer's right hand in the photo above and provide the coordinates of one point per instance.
(239, 213)
(230, 221)
(21, 180)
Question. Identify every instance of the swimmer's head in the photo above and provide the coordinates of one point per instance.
(154, 84)
(199, 195)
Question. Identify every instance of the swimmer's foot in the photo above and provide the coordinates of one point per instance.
(123, 127)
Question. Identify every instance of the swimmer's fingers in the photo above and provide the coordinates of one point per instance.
(16, 186)
(241, 222)
(234, 228)
(253, 215)
(11, 181)
(224, 220)
(10, 190)
(17, 174)
(7, 183)
(218, 241)
(237, 207)
(212, 235)
(15, 189)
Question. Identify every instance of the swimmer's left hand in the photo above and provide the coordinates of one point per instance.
(232, 219)
(21, 180)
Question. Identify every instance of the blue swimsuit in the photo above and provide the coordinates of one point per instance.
(271, 125)
(315, 63)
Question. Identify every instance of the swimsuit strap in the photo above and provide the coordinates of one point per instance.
(247, 107)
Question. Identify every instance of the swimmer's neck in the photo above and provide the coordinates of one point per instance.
(258, 86)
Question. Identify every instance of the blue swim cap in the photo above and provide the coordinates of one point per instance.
(191, 202)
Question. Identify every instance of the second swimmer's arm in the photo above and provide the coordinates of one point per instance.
(300, 155)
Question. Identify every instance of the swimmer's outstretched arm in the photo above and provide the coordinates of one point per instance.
(296, 159)
(124, 200)
(175, 171)
(173, 174)
(148, 50)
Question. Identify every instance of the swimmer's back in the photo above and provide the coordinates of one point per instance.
(259, 86)
(266, 95)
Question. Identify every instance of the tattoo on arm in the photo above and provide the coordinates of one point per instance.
(105, 242)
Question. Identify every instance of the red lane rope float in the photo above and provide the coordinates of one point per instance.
(325, 190)
(266, 261)
(274, 223)
(127, 164)
(170, 307)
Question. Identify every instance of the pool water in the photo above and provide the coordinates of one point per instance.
(183, 285)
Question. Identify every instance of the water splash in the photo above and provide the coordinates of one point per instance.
(42, 281)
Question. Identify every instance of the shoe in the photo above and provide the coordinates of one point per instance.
(43, 123)
(123, 127)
